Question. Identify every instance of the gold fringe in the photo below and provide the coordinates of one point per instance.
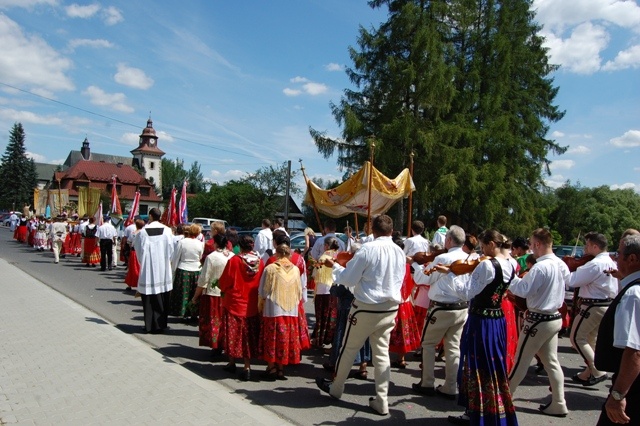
(282, 284)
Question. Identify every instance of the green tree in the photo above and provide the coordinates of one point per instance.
(17, 172)
(174, 174)
(464, 85)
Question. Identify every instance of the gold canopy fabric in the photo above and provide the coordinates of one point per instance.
(88, 200)
(352, 196)
(56, 199)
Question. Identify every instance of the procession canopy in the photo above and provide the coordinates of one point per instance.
(352, 196)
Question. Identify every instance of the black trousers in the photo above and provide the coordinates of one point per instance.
(106, 253)
(156, 311)
(632, 409)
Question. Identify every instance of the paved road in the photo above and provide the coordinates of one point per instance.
(296, 400)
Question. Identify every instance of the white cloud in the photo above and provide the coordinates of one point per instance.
(29, 117)
(36, 157)
(628, 140)
(333, 67)
(636, 169)
(82, 11)
(627, 185)
(629, 58)
(115, 101)
(315, 88)
(215, 174)
(112, 16)
(27, 4)
(580, 53)
(132, 77)
(561, 164)
(291, 92)
(30, 61)
(92, 43)
(234, 174)
(558, 15)
(164, 137)
(557, 134)
(555, 181)
(580, 149)
(298, 80)
(130, 138)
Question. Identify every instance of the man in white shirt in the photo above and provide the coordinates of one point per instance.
(107, 235)
(126, 241)
(597, 289)
(416, 243)
(445, 320)
(618, 345)
(278, 225)
(329, 231)
(58, 235)
(543, 287)
(154, 248)
(375, 274)
(441, 232)
(263, 244)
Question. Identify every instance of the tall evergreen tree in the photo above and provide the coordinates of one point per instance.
(18, 174)
(464, 84)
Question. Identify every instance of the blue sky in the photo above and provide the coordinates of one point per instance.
(236, 85)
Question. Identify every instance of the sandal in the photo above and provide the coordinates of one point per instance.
(281, 375)
(362, 375)
(397, 364)
(270, 375)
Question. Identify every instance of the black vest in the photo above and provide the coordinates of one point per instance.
(607, 356)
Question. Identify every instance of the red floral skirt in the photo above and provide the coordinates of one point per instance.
(405, 336)
(210, 322)
(241, 335)
(32, 237)
(511, 321)
(280, 340)
(305, 340)
(21, 234)
(326, 307)
(76, 243)
(133, 270)
(91, 252)
(66, 244)
(420, 315)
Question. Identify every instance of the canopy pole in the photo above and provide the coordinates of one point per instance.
(355, 219)
(313, 200)
(373, 147)
(410, 209)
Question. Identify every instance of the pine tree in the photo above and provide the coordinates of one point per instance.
(464, 85)
(18, 174)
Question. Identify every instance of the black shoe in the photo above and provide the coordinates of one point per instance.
(109, 268)
(327, 366)
(417, 388)
(245, 375)
(539, 368)
(324, 385)
(445, 395)
(591, 381)
(397, 364)
(230, 368)
(459, 420)
(269, 375)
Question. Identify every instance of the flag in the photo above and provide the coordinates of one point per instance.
(170, 217)
(98, 215)
(134, 209)
(183, 216)
(115, 211)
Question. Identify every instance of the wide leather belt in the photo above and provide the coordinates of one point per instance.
(450, 306)
(596, 302)
(535, 316)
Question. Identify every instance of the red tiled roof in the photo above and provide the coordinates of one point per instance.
(148, 150)
(99, 175)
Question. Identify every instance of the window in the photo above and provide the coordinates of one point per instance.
(144, 209)
(152, 165)
(144, 192)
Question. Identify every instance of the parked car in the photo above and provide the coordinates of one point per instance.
(561, 251)
(6, 221)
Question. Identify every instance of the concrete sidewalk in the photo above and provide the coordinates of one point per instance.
(62, 364)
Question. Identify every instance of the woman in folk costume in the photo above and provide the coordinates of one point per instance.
(510, 315)
(22, 232)
(91, 247)
(133, 266)
(241, 324)
(186, 266)
(280, 294)
(208, 296)
(405, 336)
(280, 237)
(40, 240)
(482, 378)
(326, 305)
(32, 228)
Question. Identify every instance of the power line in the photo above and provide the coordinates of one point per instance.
(124, 122)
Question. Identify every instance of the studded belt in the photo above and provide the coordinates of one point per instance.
(450, 306)
(596, 302)
(535, 316)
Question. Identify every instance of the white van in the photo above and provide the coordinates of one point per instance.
(208, 221)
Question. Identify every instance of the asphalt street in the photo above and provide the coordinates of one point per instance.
(297, 399)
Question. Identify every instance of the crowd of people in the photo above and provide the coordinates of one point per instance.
(486, 305)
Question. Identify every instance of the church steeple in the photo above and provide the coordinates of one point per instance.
(85, 150)
(147, 156)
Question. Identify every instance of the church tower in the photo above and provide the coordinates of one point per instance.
(148, 157)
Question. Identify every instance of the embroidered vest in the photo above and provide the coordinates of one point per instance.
(489, 301)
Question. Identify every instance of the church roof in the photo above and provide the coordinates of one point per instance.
(75, 156)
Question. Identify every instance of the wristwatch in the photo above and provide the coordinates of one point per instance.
(617, 395)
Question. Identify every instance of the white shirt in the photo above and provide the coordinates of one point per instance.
(154, 253)
(107, 231)
(212, 270)
(483, 275)
(318, 247)
(544, 285)
(439, 236)
(592, 281)
(626, 331)
(416, 244)
(441, 285)
(128, 232)
(375, 272)
(187, 255)
(264, 241)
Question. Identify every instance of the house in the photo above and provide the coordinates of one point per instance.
(141, 172)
